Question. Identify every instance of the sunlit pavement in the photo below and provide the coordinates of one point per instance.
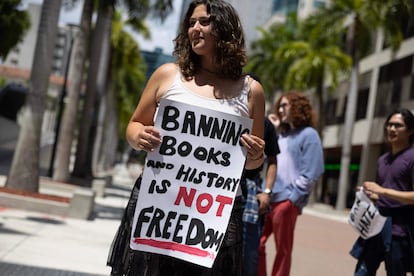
(40, 244)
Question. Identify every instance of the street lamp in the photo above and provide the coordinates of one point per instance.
(62, 99)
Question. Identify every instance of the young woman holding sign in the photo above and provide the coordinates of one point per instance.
(210, 56)
(394, 197)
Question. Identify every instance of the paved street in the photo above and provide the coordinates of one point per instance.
(41, 244)
(322, 242)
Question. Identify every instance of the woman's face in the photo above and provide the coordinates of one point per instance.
(283, 111)
(396, 130)
(202, 40)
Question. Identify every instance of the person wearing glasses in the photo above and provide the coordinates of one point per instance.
(300, 164)
(210, 57)
(393, 195)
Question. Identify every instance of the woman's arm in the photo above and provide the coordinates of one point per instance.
(141, 133)
(254, 142)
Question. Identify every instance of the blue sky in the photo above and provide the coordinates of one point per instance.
(162, 35)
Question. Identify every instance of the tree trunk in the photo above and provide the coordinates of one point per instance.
(24, 171)
(69, 120)
(110, 145)
(83, 162)
(108, 150)
(316, 193)
(373, 90)
(102, 89)
(349, 123)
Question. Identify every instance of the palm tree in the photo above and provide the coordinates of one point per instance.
(125, 81)
(263, 61)
(311, 65)
(24, 171)
(293, 55)
(97, 65)
(306, 60)
(69, 119)
(137, 10)
(357, 17)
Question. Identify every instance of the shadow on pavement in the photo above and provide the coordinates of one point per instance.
(106, 212)
(23, 270)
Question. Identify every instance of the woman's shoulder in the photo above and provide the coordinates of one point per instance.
(255, 92)
(309, 134)
(308, 130)
(163, 77)
(254, 86)
(166, 70)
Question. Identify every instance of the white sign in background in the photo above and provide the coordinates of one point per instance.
(364, 216)
(189, 183)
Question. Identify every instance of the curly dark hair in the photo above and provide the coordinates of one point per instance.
(230, 49)
(408, 118)
(301, 111)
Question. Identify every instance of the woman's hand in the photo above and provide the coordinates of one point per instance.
(255, 150)
(147, 138)
(264, 202)
(254, 145)
(274, 119)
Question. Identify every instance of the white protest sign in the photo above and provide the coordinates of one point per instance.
(189, 183)
(364, 216)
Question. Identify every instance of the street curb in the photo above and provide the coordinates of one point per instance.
(34, 204)
(82, 200)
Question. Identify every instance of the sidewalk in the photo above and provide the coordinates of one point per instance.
(40, 244)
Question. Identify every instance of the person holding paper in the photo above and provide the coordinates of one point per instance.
(300, 164)
(208, 73)
(393, 195)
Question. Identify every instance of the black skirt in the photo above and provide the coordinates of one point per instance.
(125, 261)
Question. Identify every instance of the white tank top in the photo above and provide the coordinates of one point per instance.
(236, 106)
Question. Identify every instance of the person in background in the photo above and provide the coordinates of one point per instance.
(274, 120)
(300, 164)
(257, 200)
(393, 195)
(210, 55)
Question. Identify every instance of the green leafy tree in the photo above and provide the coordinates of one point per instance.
(313, 62)
(14, 23)
(293, 55)
(263, 61)
(127, 75)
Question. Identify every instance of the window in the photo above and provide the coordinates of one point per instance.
(285, 6)
(330, 112)
(319, 4)
(396, 69)
(362, 104)
(412, 88)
